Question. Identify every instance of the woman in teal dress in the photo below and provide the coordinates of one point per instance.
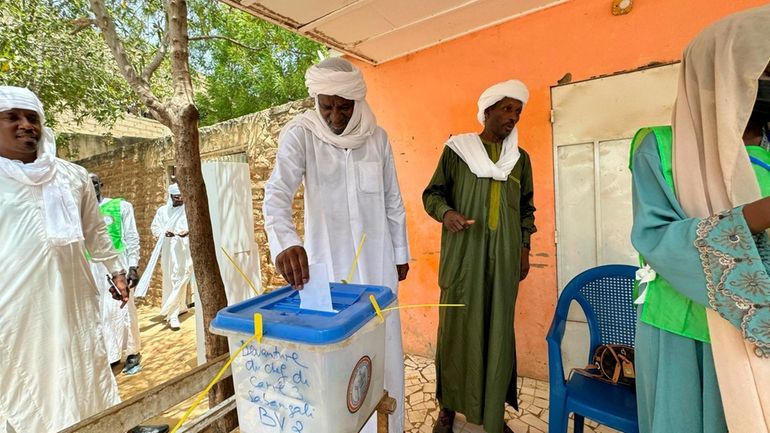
(699, 224)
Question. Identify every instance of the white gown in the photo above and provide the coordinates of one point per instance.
(54, 365)
(121, 325)
(175, 258)
(347, 193)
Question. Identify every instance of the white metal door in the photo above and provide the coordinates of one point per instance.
(593, 124)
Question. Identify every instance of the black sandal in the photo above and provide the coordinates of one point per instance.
(445, 421)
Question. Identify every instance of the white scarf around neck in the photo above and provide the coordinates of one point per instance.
(61, 215)
(471, 150)
(338, 77)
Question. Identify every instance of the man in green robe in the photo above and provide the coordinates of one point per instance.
(482, 193)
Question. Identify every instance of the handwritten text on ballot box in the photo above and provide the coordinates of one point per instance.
(314, 372)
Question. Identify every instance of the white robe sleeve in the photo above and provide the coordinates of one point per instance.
(279, 193)
(394, 207)
(130, 233)
(97, 241)
(159, 222)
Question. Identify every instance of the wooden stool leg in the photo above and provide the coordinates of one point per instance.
(382, 423)
(384, 409)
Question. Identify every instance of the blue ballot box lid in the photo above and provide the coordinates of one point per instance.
(283, 319)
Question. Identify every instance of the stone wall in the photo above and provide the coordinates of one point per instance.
(88, 137)
(127, 126)
(140, 173)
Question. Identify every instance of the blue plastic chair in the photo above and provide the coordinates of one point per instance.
(605, 294)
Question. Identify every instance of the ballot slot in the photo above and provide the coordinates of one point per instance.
(342, 297)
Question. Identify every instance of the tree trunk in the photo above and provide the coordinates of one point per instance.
(181, 115)
(184, 128)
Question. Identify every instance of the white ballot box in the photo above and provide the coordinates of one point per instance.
(314, 372)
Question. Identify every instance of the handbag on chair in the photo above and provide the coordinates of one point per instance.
(613, 363)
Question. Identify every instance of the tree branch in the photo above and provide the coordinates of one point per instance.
(81, 24)
(155, 63)
(158, 57)
(142, 88)
(228, 39)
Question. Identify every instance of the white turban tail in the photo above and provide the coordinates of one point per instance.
(469, 146)
(61, 216)
(338, 77)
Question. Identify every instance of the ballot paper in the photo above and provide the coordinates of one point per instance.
(316, 293)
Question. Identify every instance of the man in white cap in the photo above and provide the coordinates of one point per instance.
(55, 369)
(351, 190)
(170, 227)
(482, 193)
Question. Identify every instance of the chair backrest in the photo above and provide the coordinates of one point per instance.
(606, 295)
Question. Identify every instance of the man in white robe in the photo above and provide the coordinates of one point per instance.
(351, 189)
(121, 325)
(54, 364)
(170, 224)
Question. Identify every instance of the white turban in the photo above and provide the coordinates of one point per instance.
(19, 97)
(173, 189)
(507, 89)
(61, 215)
(337, 77)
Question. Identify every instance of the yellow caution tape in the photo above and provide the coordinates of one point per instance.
(212, 383)
(355, 261)
(248, 281)
(401, 307)
(258, 332)
(379, 311)
(376, 307)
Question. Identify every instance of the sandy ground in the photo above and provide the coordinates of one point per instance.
(165, 354)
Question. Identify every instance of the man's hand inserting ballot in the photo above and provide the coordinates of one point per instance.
(292, 264)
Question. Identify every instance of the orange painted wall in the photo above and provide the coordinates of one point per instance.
(422, 98)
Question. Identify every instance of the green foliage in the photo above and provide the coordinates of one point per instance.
(239, 64)
(46, 46)
(265, 68)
